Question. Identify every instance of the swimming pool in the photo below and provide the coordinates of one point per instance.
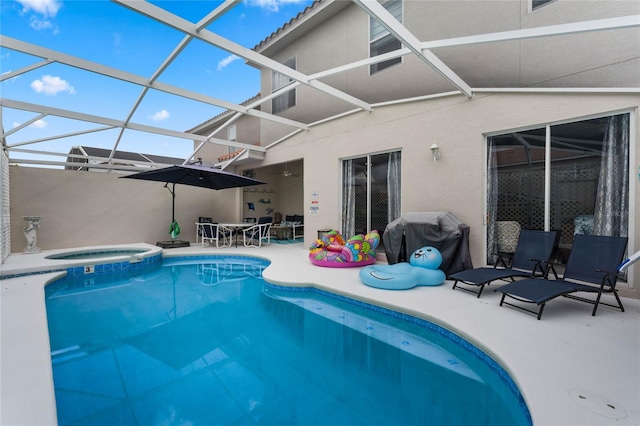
(207, 341)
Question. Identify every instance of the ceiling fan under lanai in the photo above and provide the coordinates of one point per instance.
(286, 172)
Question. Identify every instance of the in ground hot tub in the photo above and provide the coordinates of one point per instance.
(102, 259)
(132, 251)
(103, 253)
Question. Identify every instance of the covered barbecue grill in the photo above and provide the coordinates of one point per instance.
(441, 230)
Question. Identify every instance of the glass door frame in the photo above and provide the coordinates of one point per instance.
(634, 178)
(367, 158)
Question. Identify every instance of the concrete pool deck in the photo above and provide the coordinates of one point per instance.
(572, 368)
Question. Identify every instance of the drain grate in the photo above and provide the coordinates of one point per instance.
(598, 404)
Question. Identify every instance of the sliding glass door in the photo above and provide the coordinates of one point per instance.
(370, 192)
(573, 177)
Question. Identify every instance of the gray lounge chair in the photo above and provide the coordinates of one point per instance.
(532, 257)
(592, 267)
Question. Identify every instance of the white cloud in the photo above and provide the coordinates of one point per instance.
(40, 124)
(271, 5)
(46, 8)
(160, 115)
(39, 25)
(42, 11)
(226, 61)
(50, 85)
(117, 39)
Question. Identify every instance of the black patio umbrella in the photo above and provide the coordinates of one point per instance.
(194, 175)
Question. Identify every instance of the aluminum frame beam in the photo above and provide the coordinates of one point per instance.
(618, 23)
(398, 30)
(25, 106)
(167, 18)
(526, 34)
(168, 60)
(86, 65)
(198, 30)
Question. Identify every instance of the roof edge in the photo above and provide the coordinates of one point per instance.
(331, 7)
(223, 114)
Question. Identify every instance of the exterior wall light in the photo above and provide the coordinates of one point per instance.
(435, 151)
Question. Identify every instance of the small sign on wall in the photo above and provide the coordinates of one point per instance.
(314, 208)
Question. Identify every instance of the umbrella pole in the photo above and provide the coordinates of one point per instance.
(173, 204)
(173, 242)
(173, 201)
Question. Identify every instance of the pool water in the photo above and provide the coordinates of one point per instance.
(206, 341)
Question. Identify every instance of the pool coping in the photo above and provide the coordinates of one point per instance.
(42, 264)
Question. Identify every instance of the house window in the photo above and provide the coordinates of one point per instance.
(231, 136)
(278, 81)
(584, 190)
(536, 4)
(381, 41)
(370, 192)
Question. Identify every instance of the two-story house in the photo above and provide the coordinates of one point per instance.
(522, 111)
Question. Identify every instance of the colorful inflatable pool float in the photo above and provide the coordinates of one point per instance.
(334, 252)
(422, 269)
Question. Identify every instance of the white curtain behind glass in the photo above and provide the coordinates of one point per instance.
(348, 198)
(393, 186)
(492, 200)
(611, 215)
(278, 81)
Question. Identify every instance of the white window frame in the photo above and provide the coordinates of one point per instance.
(541, 4)
(286, 100)
(367, 157)
(231, 136)
(375, 68)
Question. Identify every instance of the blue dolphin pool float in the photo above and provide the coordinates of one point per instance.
(422, 269)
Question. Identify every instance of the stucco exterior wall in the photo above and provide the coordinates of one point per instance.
(456, 183)
(83, 209)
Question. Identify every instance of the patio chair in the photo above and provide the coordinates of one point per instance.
(257, 235)
(297, 225)
(202, 219)
(211, 231)
(531, 258)
(592, 267)
(507, 235)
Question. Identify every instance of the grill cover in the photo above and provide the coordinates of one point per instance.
(441, 230)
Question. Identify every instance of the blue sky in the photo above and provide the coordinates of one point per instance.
(110, 34)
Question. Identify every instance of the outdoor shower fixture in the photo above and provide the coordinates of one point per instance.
(435, 151)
